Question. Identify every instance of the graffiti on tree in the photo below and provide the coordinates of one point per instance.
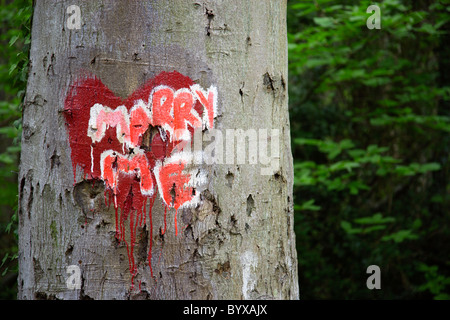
(130, 144)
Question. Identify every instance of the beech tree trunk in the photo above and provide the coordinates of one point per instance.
(238, 241)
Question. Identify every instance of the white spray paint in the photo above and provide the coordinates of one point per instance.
(249, 262)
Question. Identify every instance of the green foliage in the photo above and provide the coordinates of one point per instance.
(15, 17)
(436, 283)
(370, 121)
(367, 224)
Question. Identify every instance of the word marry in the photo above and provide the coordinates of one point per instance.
(171, 110)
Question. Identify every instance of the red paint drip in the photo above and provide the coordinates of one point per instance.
(165, 220)
(149, 256)
(176, 224)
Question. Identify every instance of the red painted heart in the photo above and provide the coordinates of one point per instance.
(129, 143)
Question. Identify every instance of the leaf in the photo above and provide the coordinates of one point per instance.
(302, 141)
(12, 68)
(375, 149)
(381, 121)
(344, 165)
(417, 224)
(11, 132)
(308, 205)
(376, 81)
(381, 172)
(356, 153)
(427, 28)
(374, 228)
(6, 158)
(334, 153)
(432, 166)
(13, 40)
(13, 149)
(324, 22)
(346, 144)
(375, 219)
(313, 63)
(442, 296)
(347, 226)
(4, 259)
(349, 229)
(400, 236)
(404, 170)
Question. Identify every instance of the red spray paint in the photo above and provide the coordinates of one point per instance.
(105, 135)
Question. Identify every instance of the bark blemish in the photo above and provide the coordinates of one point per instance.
(38, 100)
(208, 207)
(135, 56)
(84, 296)
(210, 15)
(143, 245)
(173, 194)
(50, 70)
(101, 224)
(54, 233)
(142, 295)
(234, 225)
(38, 272)
(268, 82)
(43, 296)
(223, 269)
(22, 186)
(69, 250)
(27, 132)
(276, 85)
(210, 197)
(230, 179)
(241, 92)
(85, 192)
(44, 62)
(30, 199)
(54, 160)
(278, 176)
(250, 205)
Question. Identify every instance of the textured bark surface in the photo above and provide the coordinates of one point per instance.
(239, 244)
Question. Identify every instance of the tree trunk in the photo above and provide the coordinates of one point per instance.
(237, 240)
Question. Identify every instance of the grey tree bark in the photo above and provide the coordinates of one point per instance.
(239, 244)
